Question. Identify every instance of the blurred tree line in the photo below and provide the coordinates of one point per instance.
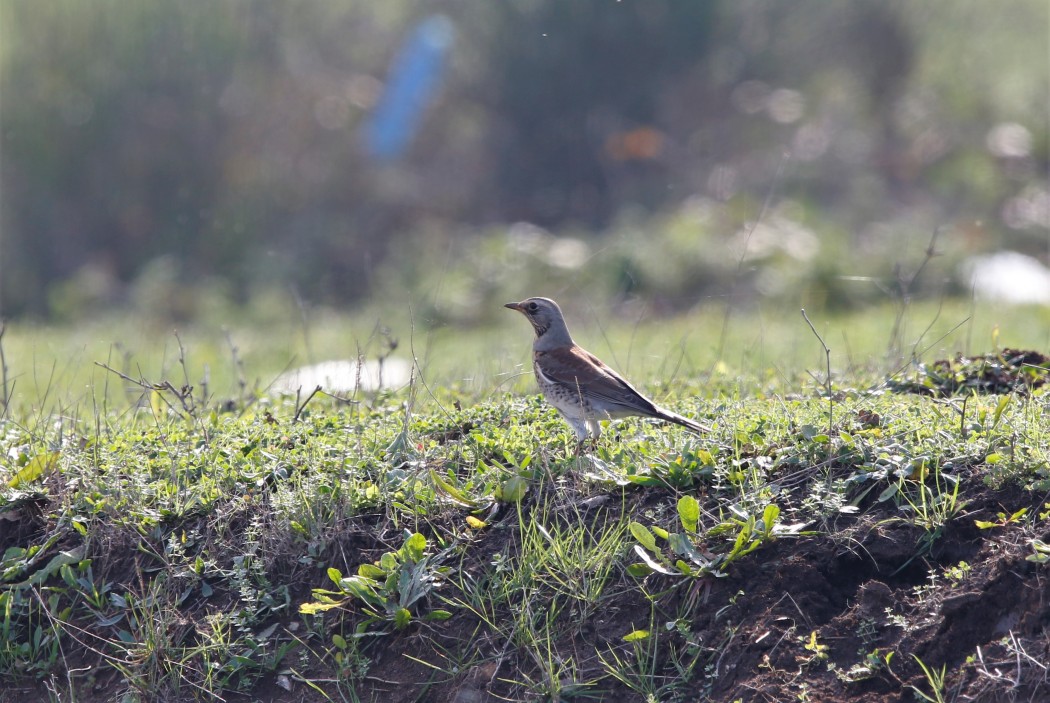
(167, 152)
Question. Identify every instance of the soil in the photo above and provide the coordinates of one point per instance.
(866, 590)
(809, 618)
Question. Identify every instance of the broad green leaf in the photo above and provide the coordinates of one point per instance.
(984, 524)
(371, 571)
(317, 607)
(636, 635)
(438, 615)
(689, 512)
(335, 575)
(453, 492)
(644, 536)
(402, 618)
(639, 570)
(73, 556)
(1003, 402)
(683, 546)
(338, 641)
(415, 546)
(34, 469)
(680, 543)
(741, 539)
(769, 516)
(890, 491)
(650, 562)
(513, 490)
(362, 589)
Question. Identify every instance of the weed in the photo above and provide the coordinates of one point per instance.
(658, 666)
(957, 574)
(934, 679)
(387, 588)
(746, 531)
(930, 507)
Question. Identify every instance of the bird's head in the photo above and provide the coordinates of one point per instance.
(543, 313)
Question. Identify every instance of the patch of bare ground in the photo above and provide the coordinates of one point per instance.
(851, 615)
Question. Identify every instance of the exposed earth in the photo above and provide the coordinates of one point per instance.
(802, 619)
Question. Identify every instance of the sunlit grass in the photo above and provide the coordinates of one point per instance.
(58, 365)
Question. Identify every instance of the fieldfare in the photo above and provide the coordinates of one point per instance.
(577, 383)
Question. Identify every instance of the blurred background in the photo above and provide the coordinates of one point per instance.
(213, 160)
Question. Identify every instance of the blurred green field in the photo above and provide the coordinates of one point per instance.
(56, 367)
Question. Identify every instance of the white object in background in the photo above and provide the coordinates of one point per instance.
(345, 376)
(1008, 276)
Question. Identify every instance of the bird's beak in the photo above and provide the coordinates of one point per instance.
(514, 306)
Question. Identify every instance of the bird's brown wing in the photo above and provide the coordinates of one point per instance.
(575, 367)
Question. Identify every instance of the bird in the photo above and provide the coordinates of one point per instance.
(577, 383)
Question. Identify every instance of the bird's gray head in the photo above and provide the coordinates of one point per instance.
(546, 319)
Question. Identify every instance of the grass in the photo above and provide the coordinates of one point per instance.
(163, 542)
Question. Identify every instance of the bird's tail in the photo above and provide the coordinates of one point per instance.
(683, 421)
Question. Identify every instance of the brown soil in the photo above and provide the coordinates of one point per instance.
(845, 616)
(865, 590)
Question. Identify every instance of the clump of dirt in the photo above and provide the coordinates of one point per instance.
(1003, 372)
(850, 617)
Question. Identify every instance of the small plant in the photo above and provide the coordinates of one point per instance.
(1040, 552)
(935, 678)
(958, 573)
(818, 651)
(932, 504)
(351, 663)
(1002, 519)
(387, 588)
(870, 664)
(747, 531)
(29, 639)
(658, 666)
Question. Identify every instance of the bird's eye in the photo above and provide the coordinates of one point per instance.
(533, 307)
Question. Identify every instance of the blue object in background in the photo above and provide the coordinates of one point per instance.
(414, 76)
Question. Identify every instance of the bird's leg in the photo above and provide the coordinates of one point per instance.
(580, 430)
(593, 432)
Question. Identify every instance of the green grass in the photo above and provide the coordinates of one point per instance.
(56, 366)
(189, 547)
